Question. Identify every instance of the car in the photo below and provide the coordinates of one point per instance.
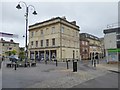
(13, 58)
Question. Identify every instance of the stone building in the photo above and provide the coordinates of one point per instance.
(84, 49)
(6, 46)
(94, 44)
(54, 38)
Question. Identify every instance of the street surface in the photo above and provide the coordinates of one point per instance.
(50, 76)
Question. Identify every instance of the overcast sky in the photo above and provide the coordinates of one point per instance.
(92, 17)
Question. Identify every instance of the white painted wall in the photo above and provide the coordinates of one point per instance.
(110, 40)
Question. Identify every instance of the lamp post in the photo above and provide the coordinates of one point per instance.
(26, 17)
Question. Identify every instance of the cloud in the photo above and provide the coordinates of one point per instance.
(92, 17)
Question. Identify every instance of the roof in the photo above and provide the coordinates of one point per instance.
(84, 39)
(11, 42)
(111, 30)
(53, 20)
(86, 35)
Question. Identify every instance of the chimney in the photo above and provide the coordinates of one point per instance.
(64, 17)
(11, 40)
(73, 22)
(2, 39)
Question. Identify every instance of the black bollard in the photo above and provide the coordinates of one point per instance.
(45, 61)
(15, 66)
(67, 64)
(94, 63)
(74, 65)
(56, 63)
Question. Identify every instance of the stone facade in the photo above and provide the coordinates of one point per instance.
(94, 44)
(55, 38)
(8, 46)
(84, 49)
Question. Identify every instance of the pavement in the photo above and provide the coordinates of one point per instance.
(110, 80)
(111, 67)
(1, 77)
(50, 76)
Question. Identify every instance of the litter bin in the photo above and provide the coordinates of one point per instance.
(74, 65)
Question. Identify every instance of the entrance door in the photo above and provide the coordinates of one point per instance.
(47, 55)
(31, 55)
(53, 54)
(41, 55)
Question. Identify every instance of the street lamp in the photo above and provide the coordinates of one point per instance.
(26, 17)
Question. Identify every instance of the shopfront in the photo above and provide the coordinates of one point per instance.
(43, 55)
(113, 55)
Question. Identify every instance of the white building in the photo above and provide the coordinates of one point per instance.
(112, 44)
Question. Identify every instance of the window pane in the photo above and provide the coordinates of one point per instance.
(53, 41)
(32, 34)
(41, 43)
(41, 32)
(82, 42)
(53, 29)
(47, 42)
(118, 44)
(118, 37)
(32, 43)
(62, 30)
(36, 43)
(46, 30)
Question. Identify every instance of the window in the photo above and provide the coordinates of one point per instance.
(91, 47)
(41, 43)
(62, 30)
(41, 32)
(118, 44)
(83, 49)
(82, 42)
(10, 48)
(86, 43)
(47, 42)
(32, 34)
(86, 50)
(53, 29)
(118, 31)
(73, 54)
(118, 37)
(47, 31)
(36, 43)
(31, 43)
(77, 34)
(76, 54)
(53, 41)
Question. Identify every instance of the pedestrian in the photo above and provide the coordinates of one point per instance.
(3, 57)
(96, 58)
